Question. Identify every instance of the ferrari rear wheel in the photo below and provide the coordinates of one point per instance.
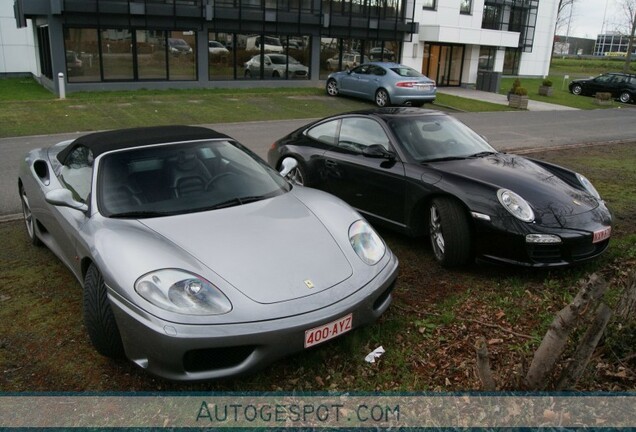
(29, 219)
(449, 232)
(99, 319)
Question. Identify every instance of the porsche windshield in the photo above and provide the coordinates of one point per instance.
(181, 178)
(429, 138)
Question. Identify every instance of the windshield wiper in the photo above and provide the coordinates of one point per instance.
(139, 214)
(482, 154)
(236, 201)
(441, 159)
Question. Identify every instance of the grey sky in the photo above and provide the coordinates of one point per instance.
(587, 18)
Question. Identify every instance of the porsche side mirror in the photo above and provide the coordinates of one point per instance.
(64, 198)
(287, 166)
(378, 151)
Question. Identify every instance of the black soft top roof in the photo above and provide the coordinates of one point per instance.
(102, 142)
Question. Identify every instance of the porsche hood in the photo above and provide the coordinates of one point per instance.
(545, 191)
(287, 247)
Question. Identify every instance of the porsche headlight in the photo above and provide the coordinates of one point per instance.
(516, 205)
(588, 185)
(182, 292)
(367, 244)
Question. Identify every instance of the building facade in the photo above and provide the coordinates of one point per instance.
(16, 44)
(458, 39)
(612, 44)
(133, 44)
(122, 44)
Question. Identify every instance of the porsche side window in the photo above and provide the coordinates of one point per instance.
(357, 133)
(324, 132)
(77, 172)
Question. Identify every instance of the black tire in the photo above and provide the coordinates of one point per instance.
(29, 219)
(382, 98)
(625, 97)
(449, 232)
(576, 89)
(99, 319)
(332, 87)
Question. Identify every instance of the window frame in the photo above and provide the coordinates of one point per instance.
(429, 5)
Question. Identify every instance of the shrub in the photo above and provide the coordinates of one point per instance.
(547, 83)
(521, 91)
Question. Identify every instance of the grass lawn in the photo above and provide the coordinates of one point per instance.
(28, 109)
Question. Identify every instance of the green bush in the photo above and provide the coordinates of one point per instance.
(521, 91)
(547, 83)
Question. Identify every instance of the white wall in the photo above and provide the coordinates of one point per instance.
(17, 47)
(537, 63)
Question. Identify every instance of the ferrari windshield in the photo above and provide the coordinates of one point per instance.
(429, 138)
(183, 178)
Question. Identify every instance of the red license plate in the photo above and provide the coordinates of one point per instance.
(601, 235)
(328, 331)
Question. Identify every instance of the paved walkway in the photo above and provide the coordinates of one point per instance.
(500, 99)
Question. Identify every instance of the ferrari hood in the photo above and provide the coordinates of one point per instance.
(545, 192)
(272, 250)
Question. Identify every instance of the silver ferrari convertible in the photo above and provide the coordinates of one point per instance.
(196, 259)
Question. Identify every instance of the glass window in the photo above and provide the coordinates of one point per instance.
(82, 55)
(182, 51)
(356, 133)
(325, 132)
(151, 55)
(77, 172)
(117, 54)
(428, 4)
(220, 56)
(465, 6)
(277, 57)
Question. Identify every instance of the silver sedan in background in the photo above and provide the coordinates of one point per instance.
(384, 83)
(276, 66)
(197, 260)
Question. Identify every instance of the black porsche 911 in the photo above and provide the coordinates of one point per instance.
(423, 172)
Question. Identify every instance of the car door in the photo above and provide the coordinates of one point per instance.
(603, 83)
(373, 185)
(352, 83)
(368, 83)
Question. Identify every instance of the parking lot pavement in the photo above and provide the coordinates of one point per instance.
(506, 131)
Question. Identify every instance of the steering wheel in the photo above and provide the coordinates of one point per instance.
(217, 177)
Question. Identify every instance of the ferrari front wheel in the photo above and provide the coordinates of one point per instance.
(449, 232)
(29, 219)
(99, 319)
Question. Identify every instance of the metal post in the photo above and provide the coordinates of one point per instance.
(61, 85)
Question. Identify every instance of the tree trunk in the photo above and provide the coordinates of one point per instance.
(626, 308)
(555, 339)
(483, 365)
(586, 348)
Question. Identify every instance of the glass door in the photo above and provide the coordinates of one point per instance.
(443, 63)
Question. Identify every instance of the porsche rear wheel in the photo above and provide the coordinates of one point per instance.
(298, 175)
(99, 319)
(29, 219)
(449, 232)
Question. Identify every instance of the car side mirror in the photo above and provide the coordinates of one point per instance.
(378, 151)
(287, 166)
(64, 198)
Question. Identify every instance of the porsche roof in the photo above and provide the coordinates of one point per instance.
(102, 142)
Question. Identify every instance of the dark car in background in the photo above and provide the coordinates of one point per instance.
(622, 86)
(422, 172)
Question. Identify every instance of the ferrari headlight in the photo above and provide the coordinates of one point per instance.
(588, 185)
(516, 205)
(182, 292)
(367, 244)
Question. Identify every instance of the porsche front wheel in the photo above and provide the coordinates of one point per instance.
(29, 219)
(99, 319)
(449, 232)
